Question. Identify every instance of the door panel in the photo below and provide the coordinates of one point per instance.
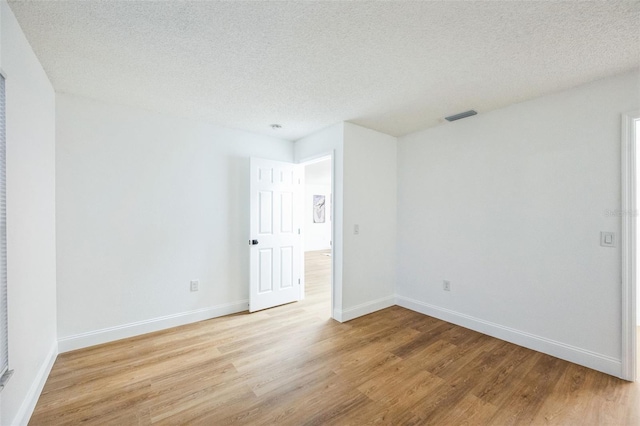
(286, 267)
(266, 212)
(265, 274)
(286, 207)
(276, 217)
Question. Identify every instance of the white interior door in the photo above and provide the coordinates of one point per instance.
(276, 240)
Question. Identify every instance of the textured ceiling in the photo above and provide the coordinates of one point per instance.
(396, 67)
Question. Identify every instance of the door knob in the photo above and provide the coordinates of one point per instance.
(253, 242)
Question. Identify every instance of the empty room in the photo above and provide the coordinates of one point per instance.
(319, 212)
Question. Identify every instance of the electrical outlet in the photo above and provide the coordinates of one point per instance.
(446, 285)
(195, 285)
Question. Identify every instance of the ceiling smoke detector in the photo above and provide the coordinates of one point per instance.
(461, 115)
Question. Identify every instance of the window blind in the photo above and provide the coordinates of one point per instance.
(4, 330)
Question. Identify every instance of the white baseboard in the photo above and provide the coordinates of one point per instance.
(83, 340)
(364, 309)
(593, 360)
(31, 399)
(337, 315)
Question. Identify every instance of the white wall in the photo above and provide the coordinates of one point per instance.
(146, 203)
(31, 235)
(317, 177)
(509, 206)
(370, 193)
(317, 236)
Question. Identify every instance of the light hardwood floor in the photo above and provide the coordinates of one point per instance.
(293, 365)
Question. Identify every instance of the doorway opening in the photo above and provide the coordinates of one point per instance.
(318, 236)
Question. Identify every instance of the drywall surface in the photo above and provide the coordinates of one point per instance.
(508, 206)
(31, 247)
(330, 141)
(370, 193)
(145, 204)
(317, 235)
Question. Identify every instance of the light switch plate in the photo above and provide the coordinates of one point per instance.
(607, 239)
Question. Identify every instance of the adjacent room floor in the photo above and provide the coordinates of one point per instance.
(293, 365)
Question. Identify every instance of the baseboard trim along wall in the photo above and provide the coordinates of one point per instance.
(364, 309)
(105, 335)
(560, 350)
(31, 399)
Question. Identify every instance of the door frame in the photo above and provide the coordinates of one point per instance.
(304, 162)
(628, 241)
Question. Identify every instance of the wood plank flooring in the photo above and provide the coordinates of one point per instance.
(293, 365)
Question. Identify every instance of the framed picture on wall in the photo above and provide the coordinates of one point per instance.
(318, 208)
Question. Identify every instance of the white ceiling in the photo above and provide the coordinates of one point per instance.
(396, 67)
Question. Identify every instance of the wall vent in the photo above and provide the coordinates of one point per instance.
(461, 115)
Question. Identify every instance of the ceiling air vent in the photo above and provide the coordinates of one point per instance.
(461, 115)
